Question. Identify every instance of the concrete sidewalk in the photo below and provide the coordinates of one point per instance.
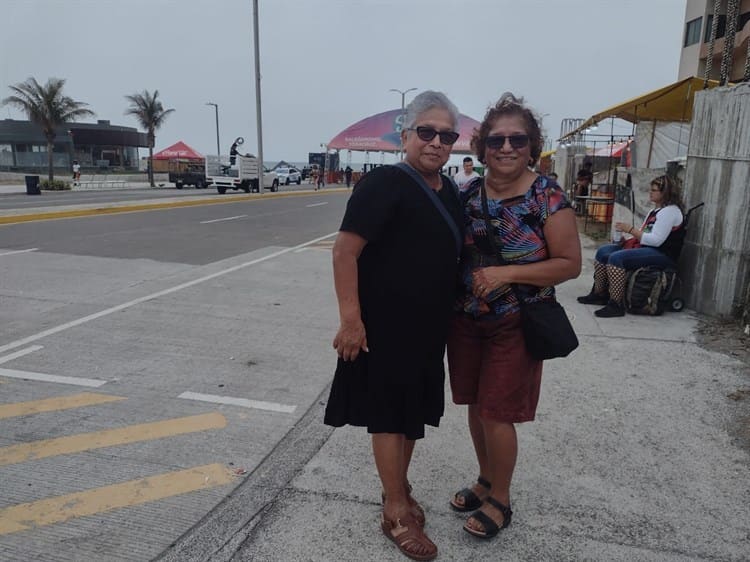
(634, 456)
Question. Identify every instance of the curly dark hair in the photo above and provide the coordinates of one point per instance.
(508, 104)
(670, 189)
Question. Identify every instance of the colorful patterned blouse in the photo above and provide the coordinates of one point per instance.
(518, 225)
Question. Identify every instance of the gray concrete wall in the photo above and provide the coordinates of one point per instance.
(716, 257)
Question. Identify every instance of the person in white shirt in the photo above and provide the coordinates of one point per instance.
(464, 176)
(76, 172)
(657, 243)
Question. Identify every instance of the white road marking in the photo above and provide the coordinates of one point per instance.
(19, 252)
(244, 402)
(20, 353)
(77, 381)
(123, 306)
(226, 219)
(317, 204)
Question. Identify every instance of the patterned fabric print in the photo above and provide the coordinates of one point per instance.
(518, 229)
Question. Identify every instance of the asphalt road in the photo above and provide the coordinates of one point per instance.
(56, 199)
(195, 235)
(151, 360)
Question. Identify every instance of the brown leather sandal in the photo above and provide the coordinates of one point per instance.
(409, 537)
(416, 508)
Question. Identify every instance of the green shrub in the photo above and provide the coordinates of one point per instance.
(54, 185)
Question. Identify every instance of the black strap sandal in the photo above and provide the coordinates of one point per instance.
(471, 500)
(490, 527)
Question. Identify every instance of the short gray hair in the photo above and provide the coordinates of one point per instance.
(425, 101)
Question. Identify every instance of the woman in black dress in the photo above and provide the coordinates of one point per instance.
(395, 271)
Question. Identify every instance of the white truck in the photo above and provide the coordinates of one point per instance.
(243, 174)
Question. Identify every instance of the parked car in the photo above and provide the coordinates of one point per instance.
(288, 175)
(181, 174)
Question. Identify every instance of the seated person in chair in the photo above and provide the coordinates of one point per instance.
(657, 243)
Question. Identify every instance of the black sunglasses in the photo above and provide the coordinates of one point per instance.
(498, 141)
(428, 133)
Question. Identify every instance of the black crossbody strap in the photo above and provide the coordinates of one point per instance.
(416, 176)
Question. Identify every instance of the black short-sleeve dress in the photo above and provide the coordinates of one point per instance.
(408, 275)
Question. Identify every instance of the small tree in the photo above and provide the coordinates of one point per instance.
(150, 113)
(48, 107)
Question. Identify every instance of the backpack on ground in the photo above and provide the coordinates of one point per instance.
(648, 289)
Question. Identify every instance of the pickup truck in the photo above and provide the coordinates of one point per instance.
(243, 174)
(190, 174)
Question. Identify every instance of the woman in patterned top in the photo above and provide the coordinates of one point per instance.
(533, 229)
(658, 243)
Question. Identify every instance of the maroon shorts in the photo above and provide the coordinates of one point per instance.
(489, 366)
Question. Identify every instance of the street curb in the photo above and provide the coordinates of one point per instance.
(224, 529)
(96, 211)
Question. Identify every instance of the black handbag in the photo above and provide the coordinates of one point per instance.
(547, 331)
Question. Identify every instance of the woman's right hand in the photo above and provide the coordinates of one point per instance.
(350, 339)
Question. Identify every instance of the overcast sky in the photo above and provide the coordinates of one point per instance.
(326, 64)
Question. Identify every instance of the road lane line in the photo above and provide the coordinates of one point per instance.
(19, 252)
(20, 353)
(244, 402)
(14, 454)
(44, 377)
(55, 404)
(317, 204)
(119, 307)
(220, 220)
(48, 511)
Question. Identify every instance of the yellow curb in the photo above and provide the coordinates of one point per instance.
(75, 213)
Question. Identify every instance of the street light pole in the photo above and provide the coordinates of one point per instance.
(403, 98)
(258, 114)
(218, 145)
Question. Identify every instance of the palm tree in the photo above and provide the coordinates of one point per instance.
(47, 107)
(150, 113)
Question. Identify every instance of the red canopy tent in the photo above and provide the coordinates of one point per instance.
(382, 133)
(178, 150)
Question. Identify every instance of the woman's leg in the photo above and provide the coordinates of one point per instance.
(601, 283)
(478, 438)
(399, 521)
(617, 275)
(465, 342)
(480, 449)
(629, 260)
(388, 449)
(501, 445)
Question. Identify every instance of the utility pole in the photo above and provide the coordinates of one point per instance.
(258, 115)
(218, 145)
(403, 98)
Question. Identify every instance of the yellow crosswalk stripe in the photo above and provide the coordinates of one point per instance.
(134, 492)
(109, 437)
(55, 404)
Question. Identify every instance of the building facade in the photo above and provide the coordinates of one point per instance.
(101, 145)
(699, 16)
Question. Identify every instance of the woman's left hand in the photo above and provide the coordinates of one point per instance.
(489, 279)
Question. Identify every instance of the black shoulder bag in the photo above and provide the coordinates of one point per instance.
(546, 328)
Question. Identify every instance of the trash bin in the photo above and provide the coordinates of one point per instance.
(32, 185)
